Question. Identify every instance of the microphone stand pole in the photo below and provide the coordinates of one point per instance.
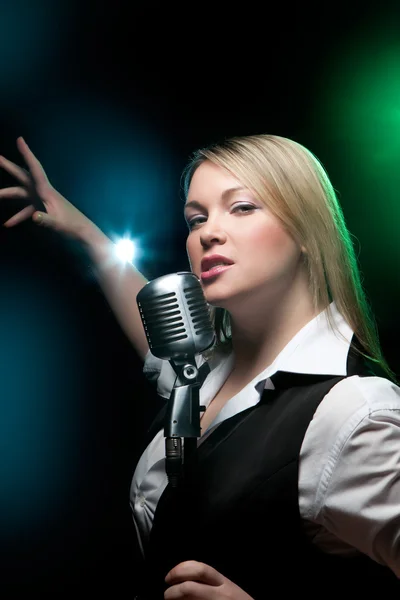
(182, 423)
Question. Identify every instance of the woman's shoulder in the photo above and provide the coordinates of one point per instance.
(355, 402)
(371, 392)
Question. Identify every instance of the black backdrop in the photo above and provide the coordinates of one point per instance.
(189, 74)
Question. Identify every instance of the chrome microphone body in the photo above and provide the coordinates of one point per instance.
(177, 323)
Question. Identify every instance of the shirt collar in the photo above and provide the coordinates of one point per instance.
(317, 349)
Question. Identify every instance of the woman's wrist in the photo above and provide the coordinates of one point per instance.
(90, 235)
(98, 245)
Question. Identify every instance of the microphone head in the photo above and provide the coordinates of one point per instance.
(175, 316)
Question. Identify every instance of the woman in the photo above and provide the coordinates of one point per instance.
(298, 462)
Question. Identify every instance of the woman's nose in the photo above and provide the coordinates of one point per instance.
(212, 233)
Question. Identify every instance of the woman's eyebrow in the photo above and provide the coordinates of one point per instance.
(193, 204)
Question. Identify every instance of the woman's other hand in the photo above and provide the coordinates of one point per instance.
(60, 214)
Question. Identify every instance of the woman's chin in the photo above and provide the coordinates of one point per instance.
(218, 296)
(216, 302)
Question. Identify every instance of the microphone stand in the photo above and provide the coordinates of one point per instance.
(182, 422)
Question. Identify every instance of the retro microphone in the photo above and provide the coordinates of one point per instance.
(177, 323)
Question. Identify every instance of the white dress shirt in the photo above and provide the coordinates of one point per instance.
(349, 464)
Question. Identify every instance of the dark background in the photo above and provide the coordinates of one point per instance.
(113, 98)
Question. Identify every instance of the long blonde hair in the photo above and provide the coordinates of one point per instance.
(295, 187)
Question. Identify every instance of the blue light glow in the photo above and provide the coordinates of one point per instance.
(125, 250)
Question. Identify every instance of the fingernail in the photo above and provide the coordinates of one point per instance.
(38, 217)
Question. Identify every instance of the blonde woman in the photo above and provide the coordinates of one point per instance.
(299, 458)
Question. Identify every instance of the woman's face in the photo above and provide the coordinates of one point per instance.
(228, 225)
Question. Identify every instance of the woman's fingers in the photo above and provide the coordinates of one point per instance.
(38, 174)
(22, 215)
(14, 192)
(18, 172)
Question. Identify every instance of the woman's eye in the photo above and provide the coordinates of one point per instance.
(238, 208)
(195, 221)
(244, 207)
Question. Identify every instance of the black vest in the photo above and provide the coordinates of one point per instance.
(238, 509)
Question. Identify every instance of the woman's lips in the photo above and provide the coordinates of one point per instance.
(214, 272)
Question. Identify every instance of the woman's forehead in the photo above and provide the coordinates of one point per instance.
(209, 177)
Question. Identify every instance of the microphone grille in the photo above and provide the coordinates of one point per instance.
(175, 315)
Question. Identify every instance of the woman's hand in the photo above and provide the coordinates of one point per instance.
(60, 214)
(192, 580)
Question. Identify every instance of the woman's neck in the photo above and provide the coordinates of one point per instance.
(259, 336)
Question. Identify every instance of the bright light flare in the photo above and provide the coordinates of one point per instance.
(125, 250)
